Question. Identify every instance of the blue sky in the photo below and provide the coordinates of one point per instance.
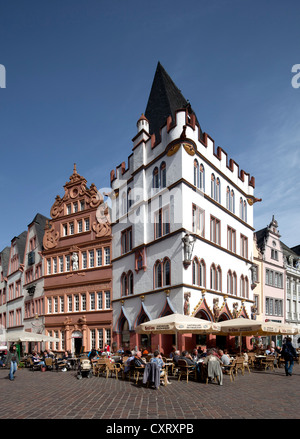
(78, 77)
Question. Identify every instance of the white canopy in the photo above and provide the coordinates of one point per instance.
(178, 324)
(19, 336)
(241, 326)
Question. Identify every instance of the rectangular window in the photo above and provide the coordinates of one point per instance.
(82, 205)
(126, 240)
(86, 224)
(108, 336)
(68, 263)
(49, 305)
(231, 239)
(61, 264)
(99, 257)
(70, 304)
(76, 299)
(68, 209)
(244, 246)
(92, 301)
(84, 260)
(65, 230)
(62, 304)
(107, 255)
(100, 338)
(92, 259)
(79, 226)
(71, 228)
(48, 266)
(100, 302)
(55, 265)
(162, 222)
(215, 230)
(83, 302)
(198, 216)
(75, 207)
(107, 299)
(55, 301)
(93, 338)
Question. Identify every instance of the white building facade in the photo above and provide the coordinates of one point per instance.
(182, 224)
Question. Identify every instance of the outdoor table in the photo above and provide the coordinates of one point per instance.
(259, 359)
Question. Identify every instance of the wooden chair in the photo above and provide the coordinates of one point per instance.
(112, 369)
(268, 362)
(184, 370)
(49, 363)
(33, 366)
(239, 365)
(229, 370)
(100, 367)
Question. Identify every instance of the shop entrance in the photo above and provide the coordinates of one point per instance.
(77, 342)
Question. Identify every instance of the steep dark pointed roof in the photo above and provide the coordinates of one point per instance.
(164, 99)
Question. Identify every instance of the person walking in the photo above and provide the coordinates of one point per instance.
(289, 353)
(12, 361)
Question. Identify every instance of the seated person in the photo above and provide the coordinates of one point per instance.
(127, 363)
(176, 356)
(195, 355)
(187, 357)
(37, 361)
(224, 357)
(138, 361)
(158, 359)
(214, 363)
(93, 355)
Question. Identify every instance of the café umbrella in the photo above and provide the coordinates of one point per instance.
(178, 324)
(247, 327)
(23, 336)
(241, 326)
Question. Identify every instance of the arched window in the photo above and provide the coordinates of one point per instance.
(228, 198)
(213, 277)
(167, 272)
(124, 209)
(195, 272)
(243, 209)
(246, 287)
(157, 275)
(232, 198)
(242, 286)
(130, 282)
(234, 284)
(202, 274)
(155, 179)
(163, 175)
(213, 186)
(129, 199)
(229, 282)
(201, 178)
(196, 173)
(124, 285)
(219, 278)
(218, 190)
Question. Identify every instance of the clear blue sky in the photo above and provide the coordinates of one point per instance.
(78, 77)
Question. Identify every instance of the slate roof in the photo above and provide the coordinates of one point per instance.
(260, 237)
(5, 259)
(296, 249)
(40, 224)
(164, 99)
(20, 243)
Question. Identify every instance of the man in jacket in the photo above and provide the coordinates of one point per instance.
(289, 353)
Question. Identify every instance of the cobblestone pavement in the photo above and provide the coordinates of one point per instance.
(59, 395)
